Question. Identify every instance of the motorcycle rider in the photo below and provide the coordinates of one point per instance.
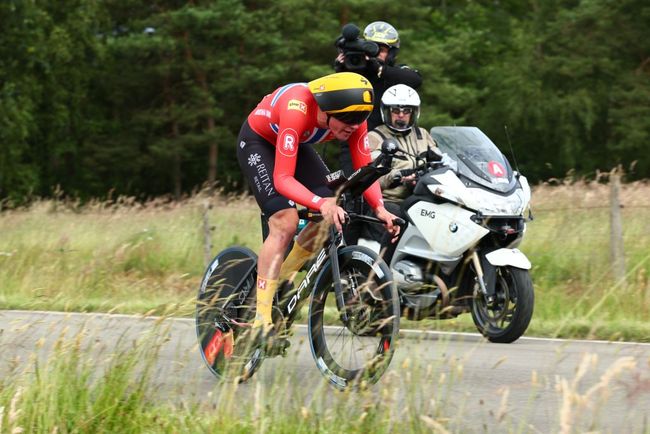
(276, 156)
(400, 110)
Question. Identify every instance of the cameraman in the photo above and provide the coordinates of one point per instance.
(372, 56)
(379, 66)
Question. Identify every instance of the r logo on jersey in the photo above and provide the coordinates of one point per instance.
(287, 145)
(295, 104)
(363, 145)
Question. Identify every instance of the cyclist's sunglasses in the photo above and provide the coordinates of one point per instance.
(398, 110)
(352, 118)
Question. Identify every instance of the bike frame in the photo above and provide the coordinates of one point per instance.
(291, 302)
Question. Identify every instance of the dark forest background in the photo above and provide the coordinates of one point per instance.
(145, 98)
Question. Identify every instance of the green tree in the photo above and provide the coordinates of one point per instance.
(45, 50)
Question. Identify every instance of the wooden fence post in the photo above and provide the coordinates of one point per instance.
(207, 233)
(617, 251)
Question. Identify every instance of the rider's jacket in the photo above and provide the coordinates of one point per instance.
(287, 118)
(417, 141)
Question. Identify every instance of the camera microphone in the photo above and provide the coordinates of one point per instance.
(350, 32)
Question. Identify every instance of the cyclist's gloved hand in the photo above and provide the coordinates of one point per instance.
(388, 218)
(332, 213)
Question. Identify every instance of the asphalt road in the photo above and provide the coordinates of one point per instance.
(532, 385)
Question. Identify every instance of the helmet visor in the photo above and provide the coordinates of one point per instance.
(351, 118)
(397, 110)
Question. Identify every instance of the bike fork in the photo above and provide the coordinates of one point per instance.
(336, 275)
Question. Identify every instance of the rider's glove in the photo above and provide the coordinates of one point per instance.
(398, 177)
(396, 181)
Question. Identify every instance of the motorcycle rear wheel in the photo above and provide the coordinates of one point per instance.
(508, 318)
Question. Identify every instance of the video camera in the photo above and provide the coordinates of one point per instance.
(354, 48)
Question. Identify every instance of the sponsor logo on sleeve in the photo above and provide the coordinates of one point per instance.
(263, 112)
(295, 104)
(288, 144)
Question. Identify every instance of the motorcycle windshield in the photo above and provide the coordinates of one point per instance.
(478, 158)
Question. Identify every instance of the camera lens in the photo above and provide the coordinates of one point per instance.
(355, 60)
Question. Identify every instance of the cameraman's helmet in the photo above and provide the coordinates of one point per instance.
(346, 96)
(383, 33)
(400, 97)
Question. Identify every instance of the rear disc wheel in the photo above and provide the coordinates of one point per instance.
(224, 312)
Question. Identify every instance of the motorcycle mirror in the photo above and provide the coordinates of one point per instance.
(389, 146)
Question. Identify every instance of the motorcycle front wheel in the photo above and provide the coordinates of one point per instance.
(507, 318)
(357, 350)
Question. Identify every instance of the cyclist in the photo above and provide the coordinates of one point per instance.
(275, 154)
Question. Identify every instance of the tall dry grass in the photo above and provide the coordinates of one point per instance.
(69, 391)
(122, 255)
(569, 246)
(135, 257)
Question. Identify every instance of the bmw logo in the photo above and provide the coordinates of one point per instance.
(453, 228)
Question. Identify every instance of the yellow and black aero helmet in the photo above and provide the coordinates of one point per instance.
(346, 96)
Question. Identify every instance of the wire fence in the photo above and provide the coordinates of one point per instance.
(585, 207)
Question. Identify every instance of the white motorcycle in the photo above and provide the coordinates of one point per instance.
(458, 251)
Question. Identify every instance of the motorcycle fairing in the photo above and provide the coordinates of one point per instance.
(446, 185)
(512, 257)
(448, 229)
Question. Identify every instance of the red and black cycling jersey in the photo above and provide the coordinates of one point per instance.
(286, 118)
